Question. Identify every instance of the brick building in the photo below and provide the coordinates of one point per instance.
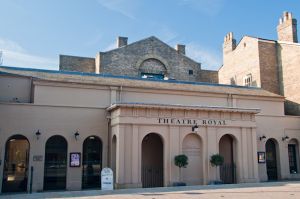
(273, 65)
(149, 57)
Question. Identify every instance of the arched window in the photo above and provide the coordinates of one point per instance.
(293, 156)
(55, 170)
(92, 162)
(152, 68)
(15, 172)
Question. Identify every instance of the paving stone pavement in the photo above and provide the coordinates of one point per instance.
(274, 190)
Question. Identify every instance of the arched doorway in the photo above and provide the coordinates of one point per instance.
(152, 161)
(191, 147)
(227, 150)
(55, 170)
(271, 159)
(92, 162)
(15, 173)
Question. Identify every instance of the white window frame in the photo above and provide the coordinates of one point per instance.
(248, 80)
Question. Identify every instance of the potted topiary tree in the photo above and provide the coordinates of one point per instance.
(181, 161)
(216, 160)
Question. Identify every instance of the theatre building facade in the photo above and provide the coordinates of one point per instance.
(133, 109)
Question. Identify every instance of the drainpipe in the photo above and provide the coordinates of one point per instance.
(108, 141)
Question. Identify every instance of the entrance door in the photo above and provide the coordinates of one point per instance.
(92, 162)
(227, 170)
(191, 147)
(152, 161)
(15, 173)
(55, 173)
(271, 160)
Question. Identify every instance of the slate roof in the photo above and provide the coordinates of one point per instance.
(111, 80)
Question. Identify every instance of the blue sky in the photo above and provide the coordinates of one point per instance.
(34, 32)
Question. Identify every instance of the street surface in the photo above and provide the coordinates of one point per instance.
(272, 190)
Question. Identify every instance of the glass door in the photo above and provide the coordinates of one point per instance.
(55, 173)
(92, 162)
(15, 175)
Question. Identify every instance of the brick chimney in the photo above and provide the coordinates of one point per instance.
(287, 28)
(180, 48)
(122, 41)
(229, 43)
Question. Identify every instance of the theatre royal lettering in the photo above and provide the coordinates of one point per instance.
(202, 122)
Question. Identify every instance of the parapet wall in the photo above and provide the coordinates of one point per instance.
(75, 63)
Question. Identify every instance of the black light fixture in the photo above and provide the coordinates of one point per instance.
(195, 128)
(38, 134)
(285, 138)
(76, 134)
(262, 137)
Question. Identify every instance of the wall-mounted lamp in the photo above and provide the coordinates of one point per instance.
(38, 134)
(285, 138)
(195, 128)
(262, 137)
(76, 135)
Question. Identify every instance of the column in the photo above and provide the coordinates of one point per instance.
(254, 160)
(135, 180)
(244, 171)
(120, 166)
(175, 146)
(212, 148)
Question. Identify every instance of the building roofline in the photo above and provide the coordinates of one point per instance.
(120, 77)
(153, 37)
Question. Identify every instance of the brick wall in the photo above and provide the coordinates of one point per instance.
(127, 60)
(240, 62)
(289, 73)
(209, 76)
(74, 63)
(268, 66)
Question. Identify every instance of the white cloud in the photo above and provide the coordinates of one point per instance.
(111, 46)
(124, 7)
(208, 58)
(14, 54)
(207, 7)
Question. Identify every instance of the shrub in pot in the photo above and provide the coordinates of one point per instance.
(181, 161)
(216, 160)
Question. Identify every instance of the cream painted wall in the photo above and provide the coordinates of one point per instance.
(15, 89)
(26, 119)
(276, 128)
(173, 136)
(68, 96)
(59, 109)
(178, 98)
(267, 107)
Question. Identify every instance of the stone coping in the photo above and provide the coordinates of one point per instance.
(183, 107)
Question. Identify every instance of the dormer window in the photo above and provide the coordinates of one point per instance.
(248, 80)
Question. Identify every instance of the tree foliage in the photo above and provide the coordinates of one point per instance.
(181, 161)
(216, 160)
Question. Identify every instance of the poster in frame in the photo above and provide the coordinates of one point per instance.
(261, 157)
(75, 159)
